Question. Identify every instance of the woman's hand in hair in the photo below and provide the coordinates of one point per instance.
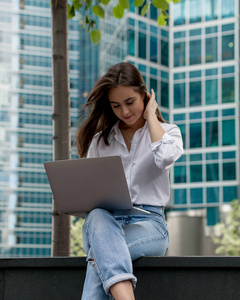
(150, 110)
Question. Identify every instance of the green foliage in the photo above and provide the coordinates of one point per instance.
(227, 234)
(76, 237)
(98, 9)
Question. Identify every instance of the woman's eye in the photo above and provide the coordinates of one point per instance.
(129, 103)
(115, 106)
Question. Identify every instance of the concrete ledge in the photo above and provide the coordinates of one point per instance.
(159, 278)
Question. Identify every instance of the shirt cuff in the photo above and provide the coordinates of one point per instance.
(166, 139)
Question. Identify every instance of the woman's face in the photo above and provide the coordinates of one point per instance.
(127, 105)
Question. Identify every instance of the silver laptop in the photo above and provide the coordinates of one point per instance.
(80, 185)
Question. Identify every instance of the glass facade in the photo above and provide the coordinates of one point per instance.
(26, 124)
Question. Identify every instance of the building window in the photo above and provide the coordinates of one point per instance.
(229, 171)
(195, 14)
(179, 11)
(195, 52)
(211, 49)
(153, 49)
(164, 53)
(228, 132)
(195, 173)
(213, 216)
(164, 94)
(212, 172)
(179, 95)
(228, 8)
(180, 196)
(211, 9)
(142, 45)
(179, 54)
(228, 47)
(211, 91)
(131, 42)
(195, 93)
(182, 128)
(228, 90)
(211, 134)
(180, 174)
(213, 195)
(195, 135)
(196, 195)
(229, 193)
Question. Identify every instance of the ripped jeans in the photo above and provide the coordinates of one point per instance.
(112, 241)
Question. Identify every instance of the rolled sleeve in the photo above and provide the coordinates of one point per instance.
(168, 149)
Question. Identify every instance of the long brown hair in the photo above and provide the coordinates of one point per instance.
(101, 117)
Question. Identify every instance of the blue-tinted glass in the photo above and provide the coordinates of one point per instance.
(195, 115)
(195, 173)
(195, 93)
(131, 42)
(179, 117)
(132, 6)
(142, 68)
(142, 45)
(229, 193)
(180, 174)
(211, 72)
(153, 12)
(229, 155)
(212, 172)
(142, 25)
(131, 22)
(228, 8)
(212, 134)
(179, 34)
(195, 32)
(179, 95)
(195, 135)
(211, 49)
(212, 194)
(212, 114)
(164, 75)
(179, 54)
(211, 9)
(228, 94)
(229, 171)
(195, 157)
(178, 76)
(228, 132)
(228, 112)
(210, 30)
(195, 52)
(164, 53)
(195, 11)
(195, 74)
(212, 156)
(165, 116)
(164, 33)
(182, 128)
(228, 47)
(211, 91)
(153, 85)
(182, 158)
(153, 71)
(196, 196)
(180, 196)
(179, 10)
(228, 27)
(153, 29)
(228, 70)
(164, 94)
(153, 49)
(213, 216)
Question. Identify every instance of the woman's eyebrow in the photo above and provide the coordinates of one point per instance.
(130, 98)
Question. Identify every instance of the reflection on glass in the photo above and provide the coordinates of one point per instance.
(179, 12)
(228, 94)
(211, 91)
(212, 172)
(228, 132)
(164, 53)
(164, 94)
(229, 193)
(180, 174)
(213, 215)
(131, 42)
(211, 9)
(195, 93)
(228, 47)
(211, 134)
(211, 49)
(179, 54)
(153, 85)
(142, 45)
(180, 196)
(228, 8)
(195, 14)
(195, 173)
(229, 171)
(179, 95)
(195, 52)
(182, 128)
(196, 195)
(195, 135)
(153, 49)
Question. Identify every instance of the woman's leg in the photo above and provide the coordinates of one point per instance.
(105, 244)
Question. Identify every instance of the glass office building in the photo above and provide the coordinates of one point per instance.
(26, 124)
(193, 66)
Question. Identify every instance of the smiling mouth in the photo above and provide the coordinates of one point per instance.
(127, 118)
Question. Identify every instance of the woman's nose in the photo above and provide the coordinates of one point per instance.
(125, 110)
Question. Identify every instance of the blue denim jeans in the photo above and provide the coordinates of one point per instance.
(112, 241)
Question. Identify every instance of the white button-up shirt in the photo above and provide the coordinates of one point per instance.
(147, 164)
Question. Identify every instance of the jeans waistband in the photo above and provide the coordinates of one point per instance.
(149, 207)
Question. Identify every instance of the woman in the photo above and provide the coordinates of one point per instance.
(124, 120)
